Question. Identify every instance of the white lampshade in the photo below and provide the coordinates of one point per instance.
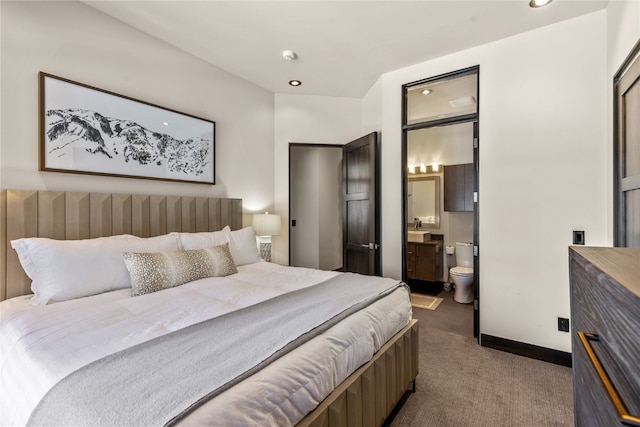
(266, 224)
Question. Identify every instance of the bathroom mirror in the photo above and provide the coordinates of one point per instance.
(423, 201)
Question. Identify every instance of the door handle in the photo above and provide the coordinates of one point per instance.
(621, 409)
(370, 245)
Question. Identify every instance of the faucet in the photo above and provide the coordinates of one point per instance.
(417, 223)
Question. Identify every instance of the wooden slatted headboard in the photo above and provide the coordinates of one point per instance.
(77, 215)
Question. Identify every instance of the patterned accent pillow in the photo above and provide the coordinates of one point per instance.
(155, 271)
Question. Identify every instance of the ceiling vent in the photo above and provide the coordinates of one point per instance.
(462, 102)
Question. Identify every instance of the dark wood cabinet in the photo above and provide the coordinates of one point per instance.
(605, 315)
(458, 188)
(412, 254)
(424, 261)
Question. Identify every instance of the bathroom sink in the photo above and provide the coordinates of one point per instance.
(418, 236)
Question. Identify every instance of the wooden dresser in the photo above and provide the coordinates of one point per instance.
(605, 314)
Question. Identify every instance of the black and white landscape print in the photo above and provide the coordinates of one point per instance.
(88, 140)
(111, 138)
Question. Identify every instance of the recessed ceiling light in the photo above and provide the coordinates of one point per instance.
(539, 3)
(426, 91)
(165, 123)
(289, 55)
(295, 82)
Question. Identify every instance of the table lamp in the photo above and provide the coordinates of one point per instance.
(266, 225)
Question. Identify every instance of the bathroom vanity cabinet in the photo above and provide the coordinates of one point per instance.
(605, 315)
(424, 260)
(458, 188)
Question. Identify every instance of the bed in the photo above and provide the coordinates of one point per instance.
(297, 369)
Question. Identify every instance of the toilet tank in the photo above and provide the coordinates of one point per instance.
(464, 254)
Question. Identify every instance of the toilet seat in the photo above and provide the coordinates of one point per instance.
(462, 271)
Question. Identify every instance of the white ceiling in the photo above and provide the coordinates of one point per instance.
(343, 46)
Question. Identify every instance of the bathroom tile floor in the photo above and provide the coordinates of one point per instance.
(450, 316)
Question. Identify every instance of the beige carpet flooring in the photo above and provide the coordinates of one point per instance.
(463, 384)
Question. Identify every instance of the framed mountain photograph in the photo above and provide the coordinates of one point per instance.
(88, 130)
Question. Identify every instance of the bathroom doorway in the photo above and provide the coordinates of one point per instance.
(440, 142)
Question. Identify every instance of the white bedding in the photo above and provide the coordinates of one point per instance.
(70, 334)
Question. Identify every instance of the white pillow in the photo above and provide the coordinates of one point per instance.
(192, 241)
(243, 246)
(66, 269)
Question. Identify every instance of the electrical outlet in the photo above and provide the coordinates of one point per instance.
(563, 324)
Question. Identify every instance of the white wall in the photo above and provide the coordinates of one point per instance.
(304, 208)
(71, 40)
(372, 109)
(623, 32)
(542, 174)
(330, 208)
(447, 145)
(311, 120)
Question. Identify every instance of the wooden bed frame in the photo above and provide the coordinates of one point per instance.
(366, 398)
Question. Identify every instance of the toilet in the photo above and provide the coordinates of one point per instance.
(462, 273)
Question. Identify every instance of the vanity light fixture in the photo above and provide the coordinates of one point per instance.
(426, 91)
(539, 3)
(435, 167)
(412, 169)
(423, 168)
(295, 82)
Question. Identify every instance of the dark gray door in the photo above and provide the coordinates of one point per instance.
(360, 217)
(627, 164)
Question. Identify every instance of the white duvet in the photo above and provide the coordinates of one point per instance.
(39, 345)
